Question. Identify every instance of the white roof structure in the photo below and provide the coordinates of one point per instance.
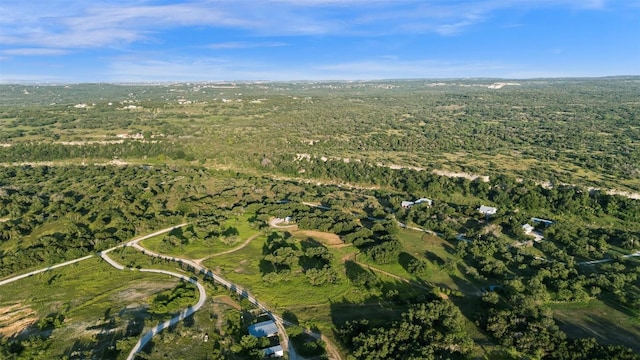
(527, 228)
(424, 200)
(274, 351)
(406, 204)
(487, 210)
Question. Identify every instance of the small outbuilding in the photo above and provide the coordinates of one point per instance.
(273, 352)
(527, 228)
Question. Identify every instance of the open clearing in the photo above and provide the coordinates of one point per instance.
(15, 319)
(599, 320)
(325, 238)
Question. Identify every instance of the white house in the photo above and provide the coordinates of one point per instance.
(487, 210)
(527, 228)
(407, 204)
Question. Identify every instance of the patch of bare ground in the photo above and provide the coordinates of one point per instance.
(275, 223)
(324, 237)
(15, 318)
(492, 229)
(461, 174)
(225, 299)
(141, 292)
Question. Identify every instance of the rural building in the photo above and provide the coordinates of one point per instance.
(273, 352)
(527, 228)
(408, 204)
(536, 220)
(487, 210)
(262, 329)
(424, 200)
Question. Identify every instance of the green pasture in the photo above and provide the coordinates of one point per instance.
(99, 305)
(198, 248)
(607, 321)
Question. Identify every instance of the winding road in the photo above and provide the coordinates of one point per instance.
(185, 313)
(198, 268)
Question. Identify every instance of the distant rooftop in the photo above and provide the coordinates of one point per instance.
(487, 210)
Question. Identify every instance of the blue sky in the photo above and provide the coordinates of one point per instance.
(211, 40)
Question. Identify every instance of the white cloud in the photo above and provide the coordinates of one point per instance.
(245, 45)
(34, 51)
(422, 68)
(99, 23)
(213, 69)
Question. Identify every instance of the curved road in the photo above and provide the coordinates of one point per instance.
(16, 278)
(185, 313)
(207, 273)
(190, 310)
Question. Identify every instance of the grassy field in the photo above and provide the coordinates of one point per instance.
(187, 339)
(95, 305)
(609, 325)
(133, 258)
(198, 248)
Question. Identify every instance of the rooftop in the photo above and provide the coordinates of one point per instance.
(264, 328)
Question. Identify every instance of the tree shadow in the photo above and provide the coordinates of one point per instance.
(309, 243)
(603, 329)
(189, 321)
(266, 267)
(434, 258)
(134, 327)
(289, 316)
(145, 351)
(405, 259)
(359, 276)
(231, 231)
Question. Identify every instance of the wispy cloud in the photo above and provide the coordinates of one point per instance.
(81, 24)
(245, 45)
(212, 69)
(34, 51)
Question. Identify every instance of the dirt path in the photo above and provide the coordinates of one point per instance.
(367, 266)
(332, 351)
(244, 244)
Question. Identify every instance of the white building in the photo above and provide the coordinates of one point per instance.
(487, 210)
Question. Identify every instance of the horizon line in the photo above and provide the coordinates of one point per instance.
(159, 82)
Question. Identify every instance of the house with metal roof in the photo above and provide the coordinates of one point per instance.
(262, 329)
